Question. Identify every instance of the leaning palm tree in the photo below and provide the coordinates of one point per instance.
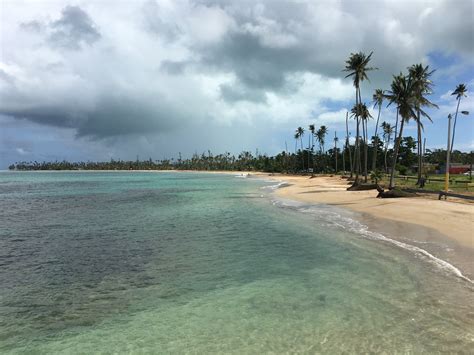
(460, 91)
(387, 135)
(421, 86)
(406, 102)
(377, 98)
(356, 65)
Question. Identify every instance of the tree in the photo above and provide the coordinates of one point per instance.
(348, 143)
(402, 95)
(321, 137)
(312, 129)
(335, 148)
(421, 86)
(356, 65)
(360, 111)
(387, 135)
(300, 132)
(460, 91)
(377, 98)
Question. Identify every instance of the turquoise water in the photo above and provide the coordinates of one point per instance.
(120, 262)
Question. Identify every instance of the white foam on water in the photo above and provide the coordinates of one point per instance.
(333, 216)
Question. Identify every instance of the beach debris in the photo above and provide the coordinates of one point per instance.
(395, 193)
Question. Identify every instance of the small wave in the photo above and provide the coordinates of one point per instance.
(347, 220)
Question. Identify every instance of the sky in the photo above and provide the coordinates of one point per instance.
(101, 79)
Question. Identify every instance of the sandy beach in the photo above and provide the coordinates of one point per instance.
(443, 228)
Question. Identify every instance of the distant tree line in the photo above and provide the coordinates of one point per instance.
(302, 160)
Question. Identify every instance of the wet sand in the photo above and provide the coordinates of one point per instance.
(443, 228)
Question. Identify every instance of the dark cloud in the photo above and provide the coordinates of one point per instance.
(74, 29)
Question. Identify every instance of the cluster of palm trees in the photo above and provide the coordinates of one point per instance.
(409, 94)
(318, 135)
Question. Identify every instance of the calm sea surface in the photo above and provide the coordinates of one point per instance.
(120, 262)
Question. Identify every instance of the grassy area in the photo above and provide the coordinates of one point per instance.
(458, 183)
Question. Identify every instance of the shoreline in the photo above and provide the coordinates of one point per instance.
(442, 229)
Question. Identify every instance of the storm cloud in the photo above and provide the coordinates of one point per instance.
(160, 67)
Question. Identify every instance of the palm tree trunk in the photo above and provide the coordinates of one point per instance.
(376, 142)
(454, 125)
(420, 164)
(348, 145)
(385, 153)
(357, 148)
(302, 151)
(395, 156)
(309, 142)
(366, 147)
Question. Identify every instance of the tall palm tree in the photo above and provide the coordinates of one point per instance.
(356, 65)
(365, 115)
(387, 135)
(335, 148)
(300, 131)
(406, 102)
(348, 143)
(377, 98)
(312, 129)
(297, 137)
(321, 137)
(422, 85)
(460, 91)
(361, 112)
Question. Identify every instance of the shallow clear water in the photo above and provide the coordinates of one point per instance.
(118, 262)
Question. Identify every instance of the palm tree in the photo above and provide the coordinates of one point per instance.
(300, 131)
(421, 86)
(377, 98)
(361, 112)
(348, 144)
(406, 103)
(365, 115)
(297, 137)
(312, 128)
(356, 65)
(460, 91)
(320, 137)
(335, 148)
(387, 135)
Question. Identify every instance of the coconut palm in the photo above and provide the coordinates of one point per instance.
(321, 137)
(335, 148)
(300, 132)
(377, 98)
(387, 135)
(407, 106)
(364, 116)
(422, 85)
(297, 137)
(361, 112)
(460, 91)
(348, 144)
(312, 129)
(356, 65)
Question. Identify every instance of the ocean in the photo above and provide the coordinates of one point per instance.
(174, 263)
